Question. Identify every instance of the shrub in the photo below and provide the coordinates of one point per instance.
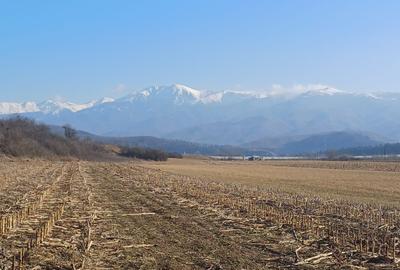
(144, 153)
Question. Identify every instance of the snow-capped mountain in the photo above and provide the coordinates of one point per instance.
(13, 107)
(48, 106)
(181, 94)
(55, 107)
(178, 94)
(227, 117)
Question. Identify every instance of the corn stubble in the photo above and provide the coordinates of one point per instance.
(83, 215)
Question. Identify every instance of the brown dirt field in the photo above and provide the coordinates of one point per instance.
(372, 182)
(93, 215)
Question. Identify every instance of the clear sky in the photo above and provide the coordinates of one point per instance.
(80, 50)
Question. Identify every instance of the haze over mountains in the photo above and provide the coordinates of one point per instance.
(229, 117)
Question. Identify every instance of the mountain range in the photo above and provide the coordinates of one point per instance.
(230, 117)
(285, 146)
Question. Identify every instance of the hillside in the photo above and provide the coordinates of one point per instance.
(177, 146)
(273, 143)
(20, 137)
(167, 145)
(314, 143)
(377, 150)
(324, 142)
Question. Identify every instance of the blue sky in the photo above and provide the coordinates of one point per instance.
(80, 50)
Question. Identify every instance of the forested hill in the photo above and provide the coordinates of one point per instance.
(21, 137)
(167, 145)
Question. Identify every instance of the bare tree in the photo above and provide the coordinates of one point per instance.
(69, 132)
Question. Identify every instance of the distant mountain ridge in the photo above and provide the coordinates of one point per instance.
(307, 144)
(229, 117)
(170, 146)
(329, 141)
(388, 149)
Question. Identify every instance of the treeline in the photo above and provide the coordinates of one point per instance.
(378, 150)
(147, 154)
(22, 137)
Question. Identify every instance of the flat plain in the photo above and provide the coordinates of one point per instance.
(359, 181)
(198, 214)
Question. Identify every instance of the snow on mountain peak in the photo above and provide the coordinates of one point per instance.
(13, 107)
(315, 88)
(182, 90)
(181, 94)
(328, 91)
(103, 100)
(177, 92)
(55, 106)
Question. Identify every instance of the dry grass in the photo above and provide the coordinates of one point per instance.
(358, 181)
(92, 215)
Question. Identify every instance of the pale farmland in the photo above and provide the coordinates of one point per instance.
(199, 214)
(359, 181)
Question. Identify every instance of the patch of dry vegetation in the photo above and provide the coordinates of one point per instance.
(21, 137)
(92, 215)
(379, 165)
(372, 182)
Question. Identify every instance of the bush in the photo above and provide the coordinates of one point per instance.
(175, 155)
(144, 153)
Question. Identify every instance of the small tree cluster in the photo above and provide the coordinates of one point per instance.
(22, 137)
(144, 153)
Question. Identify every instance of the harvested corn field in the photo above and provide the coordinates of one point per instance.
(89, 215)
(358, 181)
